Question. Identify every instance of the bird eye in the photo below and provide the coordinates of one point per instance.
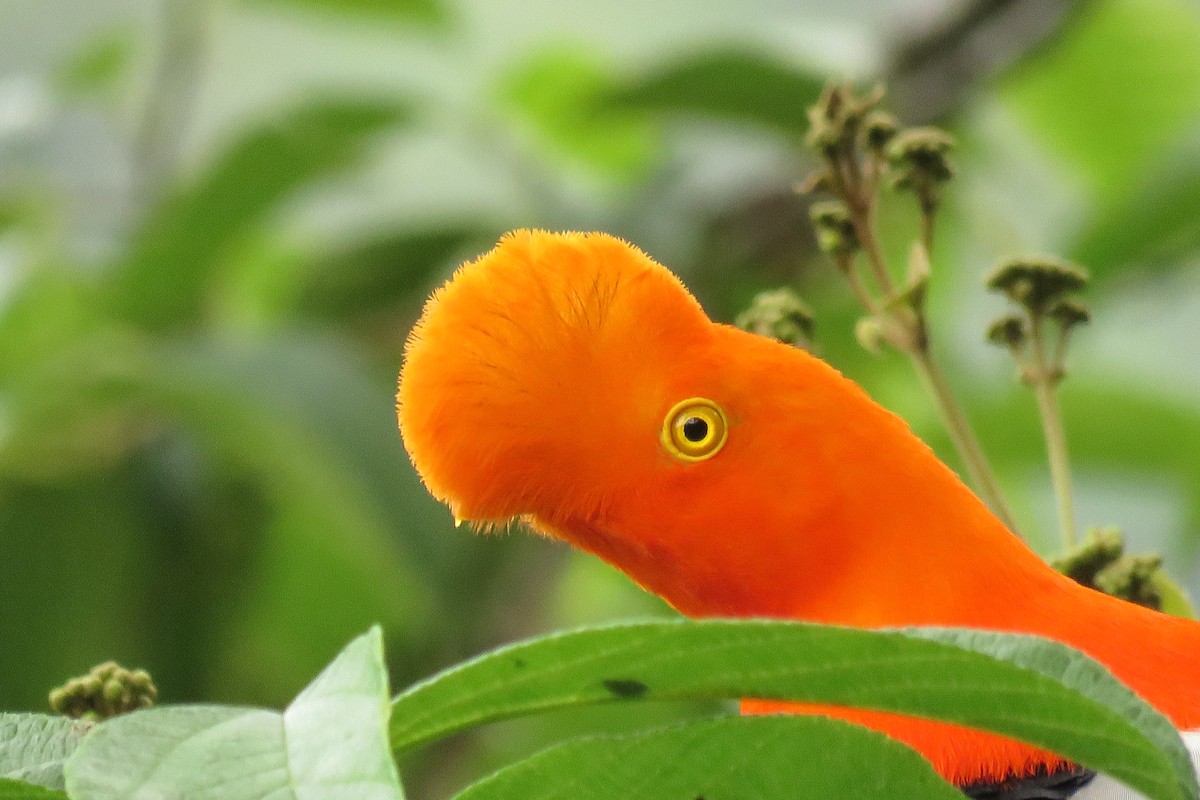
(694, 429)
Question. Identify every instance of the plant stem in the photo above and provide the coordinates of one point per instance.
(963, 437)
(1056, 451)
(927, 230)
(961, 434)
(862, 214)
(1045, 379)
(850, 270)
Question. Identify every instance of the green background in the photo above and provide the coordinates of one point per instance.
(219, 219)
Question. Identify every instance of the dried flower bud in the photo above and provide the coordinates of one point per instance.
(1008, 331)
(819, 181)
(826, 124)
(1068, 313)
(834, 229)
(1036, 282)
(1132, 578)
(106, 670)
(113, 691)
(920, 164)
(1100, 548)
(781, 315)
(870, 335)
(1099, 562)
(835, 119)
(925, 148)
(106, 691)
(878, 129)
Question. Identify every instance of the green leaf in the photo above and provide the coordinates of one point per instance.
(746, 758)
(33, 747)
(178, 253)
(329, 744)
(1029, 688)
(740, 85)
(556, 93)
(19, 790)
(407, 11)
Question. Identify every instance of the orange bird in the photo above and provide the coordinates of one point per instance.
(571, 382)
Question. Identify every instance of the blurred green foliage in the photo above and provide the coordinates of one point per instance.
(211, 252)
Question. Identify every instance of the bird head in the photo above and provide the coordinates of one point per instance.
(571, 381)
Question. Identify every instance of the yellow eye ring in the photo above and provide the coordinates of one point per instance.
(694, 429)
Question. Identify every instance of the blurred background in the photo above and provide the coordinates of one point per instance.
(218, 220)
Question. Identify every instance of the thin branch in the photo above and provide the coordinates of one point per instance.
(962, 435)
(1045, 377)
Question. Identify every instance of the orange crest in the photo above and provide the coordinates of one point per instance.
(533, 366)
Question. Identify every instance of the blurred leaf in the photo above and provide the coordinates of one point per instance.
(1175, 600)
(556, 93)
(350, 537)
(347, 540)
(411, 11)
(12, 214)
(740, 85)
(65, 406)
(1032, 689)
(34, 747)
(737, 758)
(47, 427)
(178, 250)
(73, 555)
(377, 274)
(329, 744)
(1143, 54)
(45, 312)
(1154, 225)
(99, 65)
(17, 790)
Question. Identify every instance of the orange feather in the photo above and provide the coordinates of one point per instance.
(535, 385)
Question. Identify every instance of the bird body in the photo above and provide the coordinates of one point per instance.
(544, 382)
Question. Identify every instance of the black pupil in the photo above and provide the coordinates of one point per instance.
(695, 429)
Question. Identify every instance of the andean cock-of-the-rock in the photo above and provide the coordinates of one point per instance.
(570, 381)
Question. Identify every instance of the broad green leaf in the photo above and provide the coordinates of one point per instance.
(735, 758)
(556, 93)
(33, 747)
(178, 252)
(1143, 54)
(740, 85)
(19, 790)
(406, 11)
(329, 744)
(1029, 688)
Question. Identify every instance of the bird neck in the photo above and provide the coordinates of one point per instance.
(919, 548)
